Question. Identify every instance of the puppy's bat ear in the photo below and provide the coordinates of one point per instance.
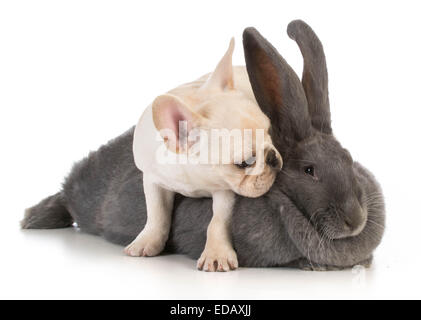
(222, 77)
(315, 78)
(278, 91)
(174, 120)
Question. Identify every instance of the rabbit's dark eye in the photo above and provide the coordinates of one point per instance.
(309, 170)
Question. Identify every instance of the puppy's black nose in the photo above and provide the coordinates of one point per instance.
(272, 160)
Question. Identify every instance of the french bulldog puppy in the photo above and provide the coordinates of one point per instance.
(207, 138)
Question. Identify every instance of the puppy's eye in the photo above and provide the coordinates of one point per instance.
(309, 170)
(242, 165)
(245, 164)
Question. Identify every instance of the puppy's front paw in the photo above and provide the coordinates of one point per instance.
(146, 244)
(218, 259)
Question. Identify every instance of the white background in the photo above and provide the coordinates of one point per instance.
(74, 74)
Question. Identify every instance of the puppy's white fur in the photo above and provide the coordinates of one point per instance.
(220, 100)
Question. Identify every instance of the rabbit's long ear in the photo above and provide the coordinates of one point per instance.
(278, 91)
(315, 79)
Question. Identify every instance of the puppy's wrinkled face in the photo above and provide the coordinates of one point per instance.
(215, 122)
(240, 148)
(227, 133)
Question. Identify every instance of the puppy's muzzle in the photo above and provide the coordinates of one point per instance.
(274, 160)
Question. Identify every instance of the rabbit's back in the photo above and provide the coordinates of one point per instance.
(104, 192)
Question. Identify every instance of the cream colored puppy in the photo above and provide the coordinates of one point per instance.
(212, 141)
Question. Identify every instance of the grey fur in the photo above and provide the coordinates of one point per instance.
(277, 90)
(50, 213)
(315, 78)
(301, 222)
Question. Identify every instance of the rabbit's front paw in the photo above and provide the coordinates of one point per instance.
(146, 244)
(218, 259)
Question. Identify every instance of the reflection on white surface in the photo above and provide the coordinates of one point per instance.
(67, 263)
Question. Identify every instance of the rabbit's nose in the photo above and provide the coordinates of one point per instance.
(354, 218)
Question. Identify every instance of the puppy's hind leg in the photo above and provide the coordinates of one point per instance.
(159, 204)
(219, 254)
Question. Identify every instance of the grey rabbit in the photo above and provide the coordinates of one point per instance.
(324, 211)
